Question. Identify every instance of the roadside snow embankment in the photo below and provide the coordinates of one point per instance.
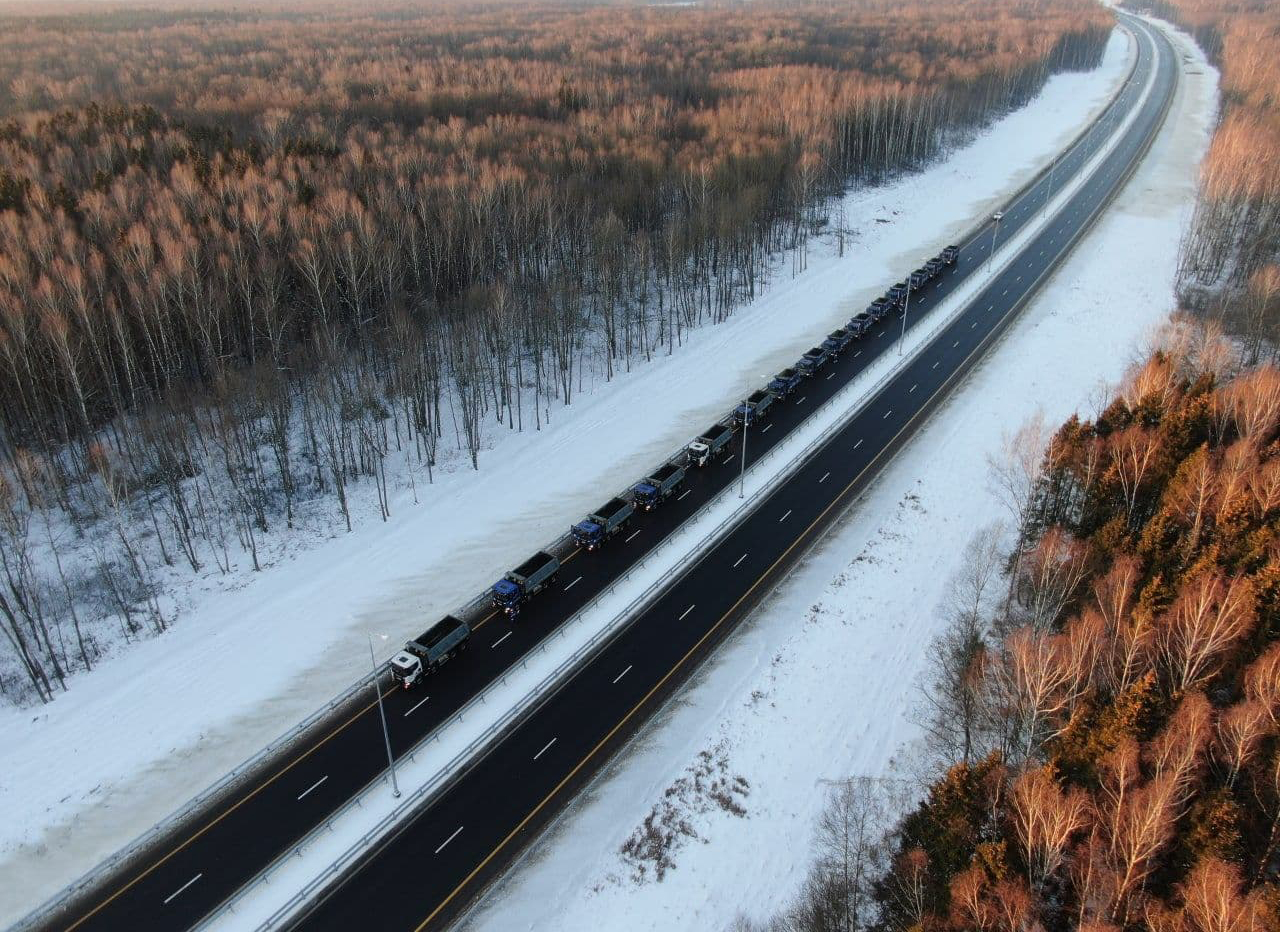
(244, 663)
(722, 789)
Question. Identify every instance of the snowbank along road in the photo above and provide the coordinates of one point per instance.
(180, 882)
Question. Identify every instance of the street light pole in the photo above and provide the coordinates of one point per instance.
(906, 305)
(1048, 196)
(386, 735)
(995, 225)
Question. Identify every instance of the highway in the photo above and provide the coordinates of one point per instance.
(441, 860)
(428, 871)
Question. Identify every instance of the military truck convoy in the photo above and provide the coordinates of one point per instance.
(448, 637)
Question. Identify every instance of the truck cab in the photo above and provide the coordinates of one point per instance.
(918, 279)
(898, 293)
(934, 266)
(587, 533)
(645, 494)
(506, 596)
(951, 254)
(880, 307)
(406, 669)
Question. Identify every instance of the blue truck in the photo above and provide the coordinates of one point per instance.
(653, 489)
(837, 341)
(951, 254)
(880, 307)
(430, 650)
(525, 581)
(754, 408)
(709, 443)
(785, 382)
(813, 360)
(898, 293)
(603, 523)
(919, 278)
(860, 323)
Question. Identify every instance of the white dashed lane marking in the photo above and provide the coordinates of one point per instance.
(307, 790)
(183, 887)
(544, 750)
(449, 839)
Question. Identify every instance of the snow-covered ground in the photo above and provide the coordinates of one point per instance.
(291, 880)
(818, 685)
(244, 662)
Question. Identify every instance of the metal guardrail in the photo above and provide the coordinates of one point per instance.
(624, 617)
(470, 609)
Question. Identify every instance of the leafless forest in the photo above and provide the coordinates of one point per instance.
(249, 255)
(1229, 265)
(1103, 708)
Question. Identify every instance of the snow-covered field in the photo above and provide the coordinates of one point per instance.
(244, 662)
(818, 685)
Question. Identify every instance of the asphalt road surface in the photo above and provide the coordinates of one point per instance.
(441, 860)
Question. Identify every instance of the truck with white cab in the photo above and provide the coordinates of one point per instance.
(429, 651)
(709, 443)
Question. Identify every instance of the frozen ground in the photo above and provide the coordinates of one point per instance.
(134, 738)
(818, 685)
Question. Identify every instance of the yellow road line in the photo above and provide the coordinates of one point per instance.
(636, 708)
(702, 640)
(241, 802)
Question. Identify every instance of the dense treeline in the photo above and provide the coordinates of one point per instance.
(1231, 264)
(1106, 720)
(247, 257)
